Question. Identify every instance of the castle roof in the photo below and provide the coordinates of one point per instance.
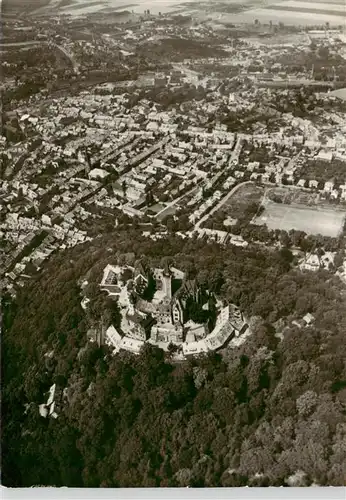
(141, 269)
(189, 286)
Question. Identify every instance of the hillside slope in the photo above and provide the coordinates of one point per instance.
(270, 412)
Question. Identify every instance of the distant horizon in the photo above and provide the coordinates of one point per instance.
(294, 12)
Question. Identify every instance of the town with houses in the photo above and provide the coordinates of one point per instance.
(169, 144)
(173, 243)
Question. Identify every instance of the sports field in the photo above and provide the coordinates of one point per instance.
(323, 221)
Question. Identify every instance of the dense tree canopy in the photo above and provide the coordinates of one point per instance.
(252, 415)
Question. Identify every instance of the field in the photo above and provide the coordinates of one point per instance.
(307, 7)
(234, 206)
(238, 203)
(295, 12)
(341, 93)
(312, 5)
(291, 38)
(81, 7)
(291, 12)
(327, 222)
(293, 196)
(9, 5)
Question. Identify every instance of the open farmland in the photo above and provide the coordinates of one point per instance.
(331, 4)
(333, 9)
(327, 222)
(295, 12)
(296, 5)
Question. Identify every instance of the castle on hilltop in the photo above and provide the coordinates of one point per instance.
(161, 306)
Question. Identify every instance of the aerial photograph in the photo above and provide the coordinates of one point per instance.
(173, 243)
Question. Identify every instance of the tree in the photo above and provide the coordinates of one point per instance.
(306, 245)
(124, 188)
(284, 179)
(323, 52)
(284, 239)
(297, 237)
(272, 177)
(339, 259)
(286, 255)
(149, 198)
(172, 349)
(271, 405)
(306, 403)
(126, 275)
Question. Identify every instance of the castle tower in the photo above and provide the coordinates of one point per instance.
(167, 282)
(167, 286)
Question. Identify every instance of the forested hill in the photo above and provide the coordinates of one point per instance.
(271, 412)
